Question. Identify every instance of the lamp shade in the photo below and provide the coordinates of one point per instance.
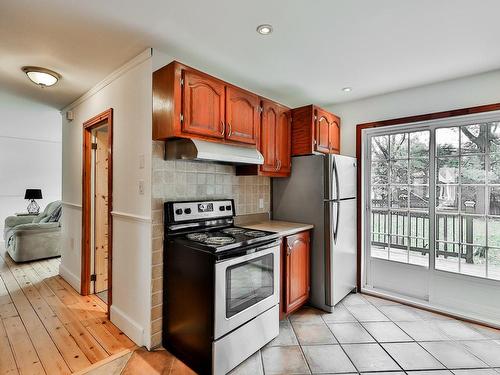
(33, 194)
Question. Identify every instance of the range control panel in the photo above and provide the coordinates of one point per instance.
(206, 210)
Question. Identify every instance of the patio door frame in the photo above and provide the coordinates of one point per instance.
(411, 124)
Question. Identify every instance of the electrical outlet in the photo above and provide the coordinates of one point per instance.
(261, 202)
(141, 187)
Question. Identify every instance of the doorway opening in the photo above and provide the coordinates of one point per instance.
(96, 207)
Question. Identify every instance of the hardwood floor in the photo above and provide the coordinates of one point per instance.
(46, 327)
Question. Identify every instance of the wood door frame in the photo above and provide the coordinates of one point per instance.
(398, 121)
(104, 118)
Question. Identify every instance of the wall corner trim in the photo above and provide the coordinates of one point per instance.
(130, 327)
(143, 56)
(131, 217)
(72, 205)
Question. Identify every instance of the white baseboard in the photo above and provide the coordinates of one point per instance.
(70, 277)
(130, 327)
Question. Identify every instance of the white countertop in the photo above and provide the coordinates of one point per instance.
(284, 228)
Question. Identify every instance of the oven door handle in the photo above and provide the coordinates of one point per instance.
(259, 251)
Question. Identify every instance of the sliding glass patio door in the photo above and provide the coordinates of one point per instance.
(432, 223)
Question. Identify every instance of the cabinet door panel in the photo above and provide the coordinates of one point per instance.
(322, 131)
(203, 100)
(270, 116)
(297, 271)
(335, 135)
(242, 115)
(283, 141)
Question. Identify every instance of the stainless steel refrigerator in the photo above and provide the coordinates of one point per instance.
(322, 191)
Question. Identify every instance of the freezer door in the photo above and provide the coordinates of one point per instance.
(342, 176)
(342, 255)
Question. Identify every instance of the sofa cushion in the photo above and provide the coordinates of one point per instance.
(55, 215)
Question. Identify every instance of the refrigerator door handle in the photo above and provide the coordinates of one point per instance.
(336, 227)
(335, 175)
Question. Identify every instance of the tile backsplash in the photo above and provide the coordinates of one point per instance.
(190, 180)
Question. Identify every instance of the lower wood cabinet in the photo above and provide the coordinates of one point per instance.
(295, 272)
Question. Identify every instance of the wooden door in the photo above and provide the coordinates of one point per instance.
(283, 141)
(297, 271)
(203, 103)
(101, 224)
(322, 131)
(335, 135)
(242, 115)
(270, 116)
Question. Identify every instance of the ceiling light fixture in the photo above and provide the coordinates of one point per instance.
(264, 29)
(347, 89)
(41, 76)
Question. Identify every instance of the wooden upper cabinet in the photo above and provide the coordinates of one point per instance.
(203, 104)
(314, 130)
(297, 271)
(242, 115)
(322, 125)
(270, 116)
(283, 141)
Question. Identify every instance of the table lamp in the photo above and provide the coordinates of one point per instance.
(32, 194)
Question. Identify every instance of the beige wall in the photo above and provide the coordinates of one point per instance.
(128, 92)
(186, 180)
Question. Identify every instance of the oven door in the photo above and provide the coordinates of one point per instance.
(245, 287)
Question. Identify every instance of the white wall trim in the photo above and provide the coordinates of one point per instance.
(70, 277)
(130, 327)
(143, 56)
(29, 139)
(72, 205)
(131, 217)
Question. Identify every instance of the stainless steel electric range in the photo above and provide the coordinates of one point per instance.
(221, 286)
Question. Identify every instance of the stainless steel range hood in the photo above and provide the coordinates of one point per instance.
(195, 149)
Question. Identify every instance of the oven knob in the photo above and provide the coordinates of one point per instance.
(228, 208)
(187, 211)
(178, 211)
(222, 208)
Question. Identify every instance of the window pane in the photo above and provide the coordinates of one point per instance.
(473, 261)
(473, 230)
(380, 197)
(494, 173)
(380, 148)
(494, 263)
(473, 138)
(398, 253)
(379, 224)
(472, 199)
(419, 225)
(399, 172)
(447, 256)
(447, 228)
(494, 201)
(379, 248)
(493, 232)
(419, 144)
(419, 197)
(419, 257)
(473, 170)
(447, 141)
(399, 146)
(419, 171)
(399, 197)
(447, 197)
(399, 223)
(447, 171)
(494, 136)
(379, 173)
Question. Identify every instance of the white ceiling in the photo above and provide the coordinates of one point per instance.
(317, 47)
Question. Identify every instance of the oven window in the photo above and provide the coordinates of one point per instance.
(248, 283)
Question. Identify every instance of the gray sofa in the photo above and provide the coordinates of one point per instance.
(29, 238)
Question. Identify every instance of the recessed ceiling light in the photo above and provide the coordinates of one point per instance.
(347, 89)
(264, 29)
(41, 76)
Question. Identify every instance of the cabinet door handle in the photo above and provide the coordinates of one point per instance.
(279, 164)
(229, 129)
(288, 250)
(223, 127)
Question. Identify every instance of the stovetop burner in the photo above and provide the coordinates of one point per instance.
(219, 240)
(200, 237)
(233, 230)
(255, 233)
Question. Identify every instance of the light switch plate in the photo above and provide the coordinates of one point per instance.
(141, 187)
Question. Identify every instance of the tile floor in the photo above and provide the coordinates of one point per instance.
(370, 335)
